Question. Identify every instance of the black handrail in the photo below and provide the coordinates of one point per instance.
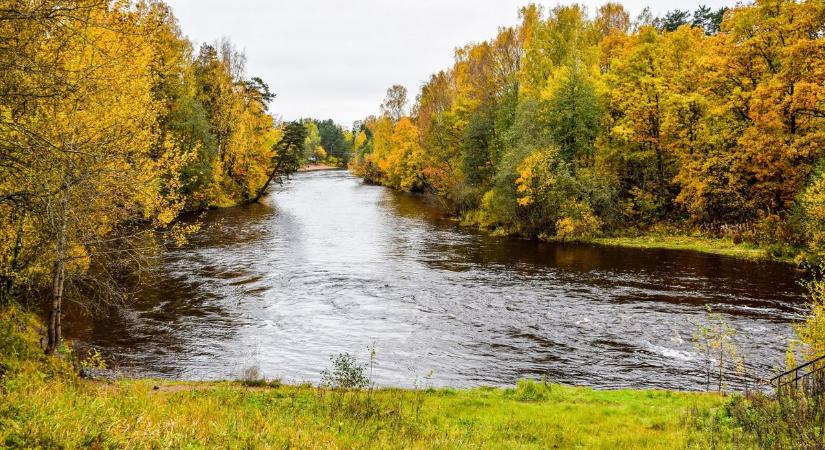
(797, 368)
(813, 380)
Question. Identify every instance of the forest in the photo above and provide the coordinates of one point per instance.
(134, 166)
(111, 127)
(572, 125)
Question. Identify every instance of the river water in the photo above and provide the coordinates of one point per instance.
(327, 264)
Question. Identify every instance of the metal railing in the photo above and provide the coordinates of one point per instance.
(809, 379)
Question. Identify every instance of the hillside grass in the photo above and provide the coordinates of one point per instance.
(157, 414)
(43, 405)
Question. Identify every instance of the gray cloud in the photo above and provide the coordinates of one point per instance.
(335, 59)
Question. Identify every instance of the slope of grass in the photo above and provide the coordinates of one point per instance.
(43, 405)
(147, 413)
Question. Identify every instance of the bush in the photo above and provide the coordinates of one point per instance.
(21, 353)
(811, 333)
(783, 422)
(529, 391)
(346, 373)
(252, 377)
(578, 222)
(641, 207)
(811, 205)
(93, 360)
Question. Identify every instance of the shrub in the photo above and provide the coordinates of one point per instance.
(529, 391)
(812, 210)
(578, 222)
(811, 333)
(345, 373)
(782, 422)
(715, 339)
(93, 360)
(251, 376)
(642, 206)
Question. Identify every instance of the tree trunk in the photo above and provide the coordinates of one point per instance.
(54, 330)
(721, 364)
(7, 289)
(58, 281)
(272, 175)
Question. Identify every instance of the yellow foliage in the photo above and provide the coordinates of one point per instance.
(110, 135)
(579, 222)
(811, 333)
(813, 210)
(535, 176)
(397, 152)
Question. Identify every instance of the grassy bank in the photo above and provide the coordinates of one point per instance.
(44, 405)
(662, 236)
(317, 167)
(147, 413)
(715, 246)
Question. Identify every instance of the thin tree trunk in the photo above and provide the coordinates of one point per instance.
(7, 289)
(58, 281)
(721, 364)
(708, 370)
(272, 175)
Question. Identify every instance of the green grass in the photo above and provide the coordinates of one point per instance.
(668, 237)
(150, 413)
(716, 246)
(43, 405)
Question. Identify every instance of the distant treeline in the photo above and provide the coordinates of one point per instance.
(567, 126)
(111, 126)
(327, 142)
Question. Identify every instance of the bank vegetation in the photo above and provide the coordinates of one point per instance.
(579, 124)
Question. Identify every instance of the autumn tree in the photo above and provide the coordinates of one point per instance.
(85, 157)
(110, 127)
(699, 119)
(312, 144)
(765, 82)
(395, 102)
(612, 18)
(811, 212)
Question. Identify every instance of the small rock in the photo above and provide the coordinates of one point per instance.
(92, 373)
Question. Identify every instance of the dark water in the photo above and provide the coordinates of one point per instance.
(328, 265)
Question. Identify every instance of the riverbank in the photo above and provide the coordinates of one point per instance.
(708, 245)
(317, 167)
(154, 414)
(671, 238)
(43, 404)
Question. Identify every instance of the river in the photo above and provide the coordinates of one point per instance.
(326, 264)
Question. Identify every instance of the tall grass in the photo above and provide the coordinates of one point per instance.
(43, 405)
(147, 413)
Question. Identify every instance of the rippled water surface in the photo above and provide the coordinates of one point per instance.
(327, 265)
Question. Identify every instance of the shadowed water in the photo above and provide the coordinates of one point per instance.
(327, 265)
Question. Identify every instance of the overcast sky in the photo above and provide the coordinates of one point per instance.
(336, 59)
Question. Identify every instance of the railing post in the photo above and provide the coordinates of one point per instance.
(810, 375)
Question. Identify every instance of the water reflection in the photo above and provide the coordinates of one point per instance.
(329, 265)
